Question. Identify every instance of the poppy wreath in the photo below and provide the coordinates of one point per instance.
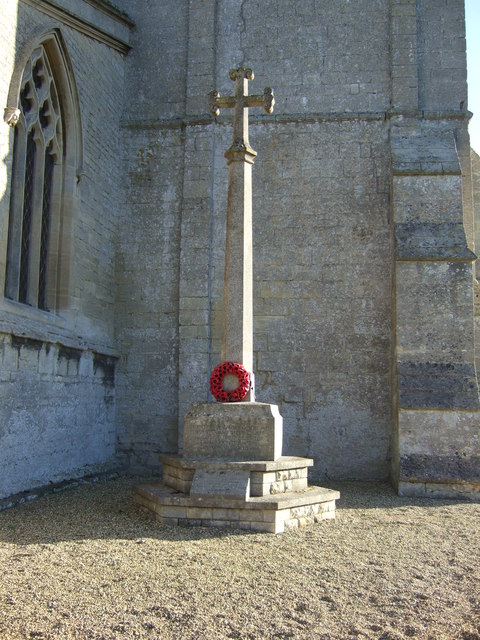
(216, 382)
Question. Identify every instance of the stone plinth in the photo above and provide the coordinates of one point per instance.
(233, 431)
(260, 495)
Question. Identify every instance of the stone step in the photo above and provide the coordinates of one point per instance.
(270, 513)
(266, 477)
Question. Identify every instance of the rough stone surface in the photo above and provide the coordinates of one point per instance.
(475, 160)
(57, 370)
(221, 482)
(67, 428)
(439, 447)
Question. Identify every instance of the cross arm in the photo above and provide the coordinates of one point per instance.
(267, 100)
(217, 102)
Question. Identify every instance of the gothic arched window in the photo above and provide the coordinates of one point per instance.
(37, 246)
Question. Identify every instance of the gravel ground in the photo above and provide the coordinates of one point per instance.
(87, 563)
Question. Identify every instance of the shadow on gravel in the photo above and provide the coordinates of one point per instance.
(93, 510)
(105, 510)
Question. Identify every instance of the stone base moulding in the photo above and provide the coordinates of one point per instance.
(447, 490)
(267, 477)
(438, 453)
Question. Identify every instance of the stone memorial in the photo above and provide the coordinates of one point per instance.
(232, 472)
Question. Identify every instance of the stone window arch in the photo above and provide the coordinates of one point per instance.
(47, 159)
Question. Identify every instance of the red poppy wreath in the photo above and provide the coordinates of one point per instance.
(216, 382)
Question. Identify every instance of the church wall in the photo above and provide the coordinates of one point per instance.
(147, 296)
(475, 162)
(322, 292)
(342, 115)
(440, 44)
(57, 396)
(322, 237)
(147, 287)
(322, 248)
(363, 238)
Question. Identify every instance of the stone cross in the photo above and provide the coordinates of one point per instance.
(237, 340)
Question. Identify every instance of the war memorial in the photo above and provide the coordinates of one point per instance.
(136, 259)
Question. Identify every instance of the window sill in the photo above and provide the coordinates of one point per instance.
(24, 321)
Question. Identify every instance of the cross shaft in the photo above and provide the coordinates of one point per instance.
(237, 339)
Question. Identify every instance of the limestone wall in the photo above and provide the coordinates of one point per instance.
(148, 255)
(362, 161)
(435, 444)
(475, 160)
(58, 409)
(322, 243)
(57, 400)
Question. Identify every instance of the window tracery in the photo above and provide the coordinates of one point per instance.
(47, 150)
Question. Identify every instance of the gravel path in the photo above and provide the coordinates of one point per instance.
(87, 563)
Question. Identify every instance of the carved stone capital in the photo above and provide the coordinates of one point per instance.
(11, 116)
(240, 73)
(240, 152)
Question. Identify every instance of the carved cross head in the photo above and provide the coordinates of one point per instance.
(241, 102)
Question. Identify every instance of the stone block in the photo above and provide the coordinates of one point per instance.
(219, 524)
(454, 490)
(324, 515)
(299, 484)
(234, 431)
(438, 447)
(305, 521)
(258, 477)
(226, 514)
(169, 511)
(282, 515)
(192, 522)
(257, 490)
(170, 521)
(179, 472)
(267, 527)
(199, 513)
(221, 482)
(177, 483)
(252, 515)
